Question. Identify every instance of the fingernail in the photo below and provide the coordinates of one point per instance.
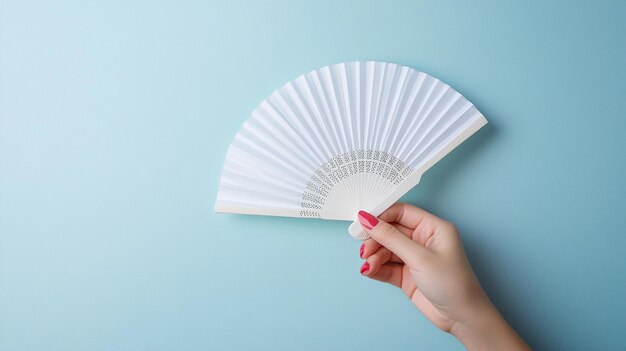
(362, 250)
(365, 267)
(367, 220)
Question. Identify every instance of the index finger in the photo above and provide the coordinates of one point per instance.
(406, 215)
(370, 245)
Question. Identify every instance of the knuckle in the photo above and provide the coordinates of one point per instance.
(387, 232)
(447, 227)
(373, 259)
(452, 227)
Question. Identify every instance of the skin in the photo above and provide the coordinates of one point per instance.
(423, 256)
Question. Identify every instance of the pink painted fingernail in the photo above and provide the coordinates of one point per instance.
(367, 220)
(362, 250)
(365, 267)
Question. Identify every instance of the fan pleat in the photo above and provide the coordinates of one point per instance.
(302, 90)
(430, 131)
(241, 162)
(283, 135)
(340, 84)
(368, 125)
(330, 95)
(439, 139)
(398, 89)
(379, 73)
(295, 121)
(351, 93)
(322, 112)
(424, 117)
(390, 115)
(240, 187)
(368, 103)
(427, 90)
(407, 116)
(385, 86)
(327, 114)
(262, 136)
(270, 158)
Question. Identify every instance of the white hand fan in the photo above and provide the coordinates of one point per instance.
(348, 137)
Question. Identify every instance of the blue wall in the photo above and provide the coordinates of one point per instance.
(115, 117)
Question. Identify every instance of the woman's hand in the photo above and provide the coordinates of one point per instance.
(423, 255)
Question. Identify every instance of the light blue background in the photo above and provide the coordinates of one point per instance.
(115, 117)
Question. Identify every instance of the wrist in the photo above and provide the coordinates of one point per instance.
(484, 328)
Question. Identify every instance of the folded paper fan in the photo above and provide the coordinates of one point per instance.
(343, 138)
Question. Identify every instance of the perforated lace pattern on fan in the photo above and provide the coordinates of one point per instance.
(343, 166)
